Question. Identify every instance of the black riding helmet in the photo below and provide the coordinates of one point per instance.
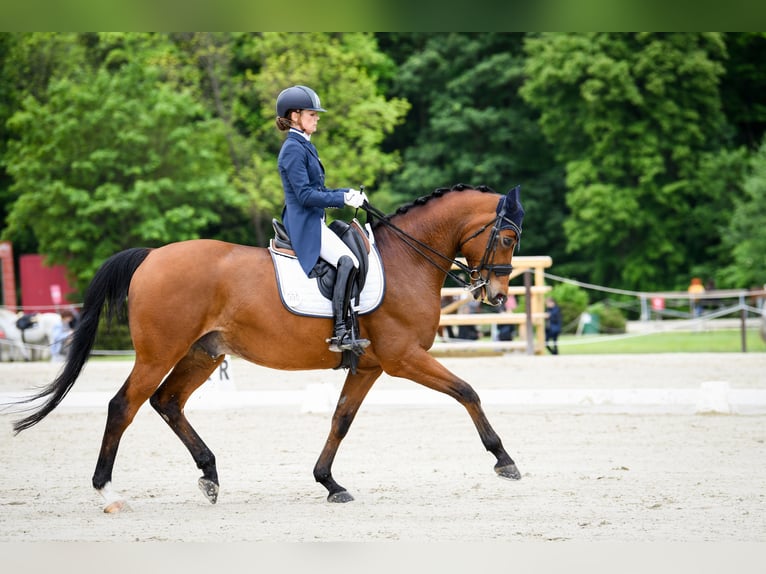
(297, 98)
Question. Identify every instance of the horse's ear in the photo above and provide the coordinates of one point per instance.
(513, 212)
(512, 199)
(513, 205)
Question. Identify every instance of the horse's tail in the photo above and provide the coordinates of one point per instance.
(109, 290)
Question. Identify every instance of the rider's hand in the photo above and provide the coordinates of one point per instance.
(354, 198)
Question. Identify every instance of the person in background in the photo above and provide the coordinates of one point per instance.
(507, 331)
(695, 289)
(306, 198)
(552, 326)
(62, 334)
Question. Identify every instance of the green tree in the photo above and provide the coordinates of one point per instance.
(746, 235)
(219, 79)
(115, 156)
(8, 105)
(468, 124)
(743, 86)
(344, 70)
(27, 62)
(634, 118)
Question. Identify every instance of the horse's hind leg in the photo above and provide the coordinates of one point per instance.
(138, 387)
(169, 400)
(426, 370)
(354, 391)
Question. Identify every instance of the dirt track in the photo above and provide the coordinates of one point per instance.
(417, 469)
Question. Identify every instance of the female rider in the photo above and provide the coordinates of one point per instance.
(306, 198)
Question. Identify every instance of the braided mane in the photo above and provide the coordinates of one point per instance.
(439, 192)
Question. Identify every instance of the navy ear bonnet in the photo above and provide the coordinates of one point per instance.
(510, 212)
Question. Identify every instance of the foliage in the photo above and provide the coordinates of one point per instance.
(637, 152)
(572, 301)
(746, 237)
(468, 124)
(113, 337)
(611, 319)
(743, 86)
(343, 69)
(114, 158)
(632, 117)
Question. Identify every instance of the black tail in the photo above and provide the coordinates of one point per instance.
(109, 289)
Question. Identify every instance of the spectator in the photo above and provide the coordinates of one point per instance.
(506, 332)
(62, 334)
(695, 289)
(552, 326)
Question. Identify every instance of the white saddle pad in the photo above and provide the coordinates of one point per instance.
(301, 295)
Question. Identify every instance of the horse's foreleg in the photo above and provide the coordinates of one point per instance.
(354, 391)
(122, 409)
(427, 371)
(169, 400)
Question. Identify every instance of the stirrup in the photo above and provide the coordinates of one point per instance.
(344, 342)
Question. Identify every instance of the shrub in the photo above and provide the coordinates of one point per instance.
(114, 338)
(572, 300)
(611, 318)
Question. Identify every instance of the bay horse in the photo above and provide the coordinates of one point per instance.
(190, 303)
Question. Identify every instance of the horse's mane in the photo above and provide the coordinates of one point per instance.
(438, 192)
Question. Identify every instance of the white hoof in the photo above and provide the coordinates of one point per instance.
(114, 502)
(117, 506)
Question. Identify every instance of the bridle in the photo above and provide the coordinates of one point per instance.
(486, 264)
(502, 221)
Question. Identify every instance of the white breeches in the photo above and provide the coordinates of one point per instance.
(332, 248)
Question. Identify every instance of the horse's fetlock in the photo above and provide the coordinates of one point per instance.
(207, 464)
(321, 474)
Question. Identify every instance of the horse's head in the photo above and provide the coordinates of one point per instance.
(490, 261)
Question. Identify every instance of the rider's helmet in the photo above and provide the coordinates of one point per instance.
(297, 98)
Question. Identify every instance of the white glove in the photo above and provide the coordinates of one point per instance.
(354, 198)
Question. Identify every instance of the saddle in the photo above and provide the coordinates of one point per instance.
(352, 234)
(304, 296)
(26, 321)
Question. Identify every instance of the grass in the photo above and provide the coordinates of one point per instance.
(716, 341)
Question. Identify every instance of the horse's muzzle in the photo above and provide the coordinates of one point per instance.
(496, 300)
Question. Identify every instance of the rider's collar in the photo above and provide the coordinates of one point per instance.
(299, 132)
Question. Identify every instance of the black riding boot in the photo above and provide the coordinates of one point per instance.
(344, 338)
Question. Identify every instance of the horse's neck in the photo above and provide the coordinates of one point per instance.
(430, 249)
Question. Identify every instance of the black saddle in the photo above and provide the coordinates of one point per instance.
(26, 321)
(353, 235)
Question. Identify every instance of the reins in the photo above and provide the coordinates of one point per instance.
(419, 247)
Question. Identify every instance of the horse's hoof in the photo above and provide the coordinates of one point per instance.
(116, 506)
(508, 471)
(209, 489)
(342, 496)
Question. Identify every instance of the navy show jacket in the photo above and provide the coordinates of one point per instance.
(306, 197)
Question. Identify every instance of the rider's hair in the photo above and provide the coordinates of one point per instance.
(283, 124)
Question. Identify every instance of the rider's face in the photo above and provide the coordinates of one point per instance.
(307, 121)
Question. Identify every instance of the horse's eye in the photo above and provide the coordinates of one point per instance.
(507, 242)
